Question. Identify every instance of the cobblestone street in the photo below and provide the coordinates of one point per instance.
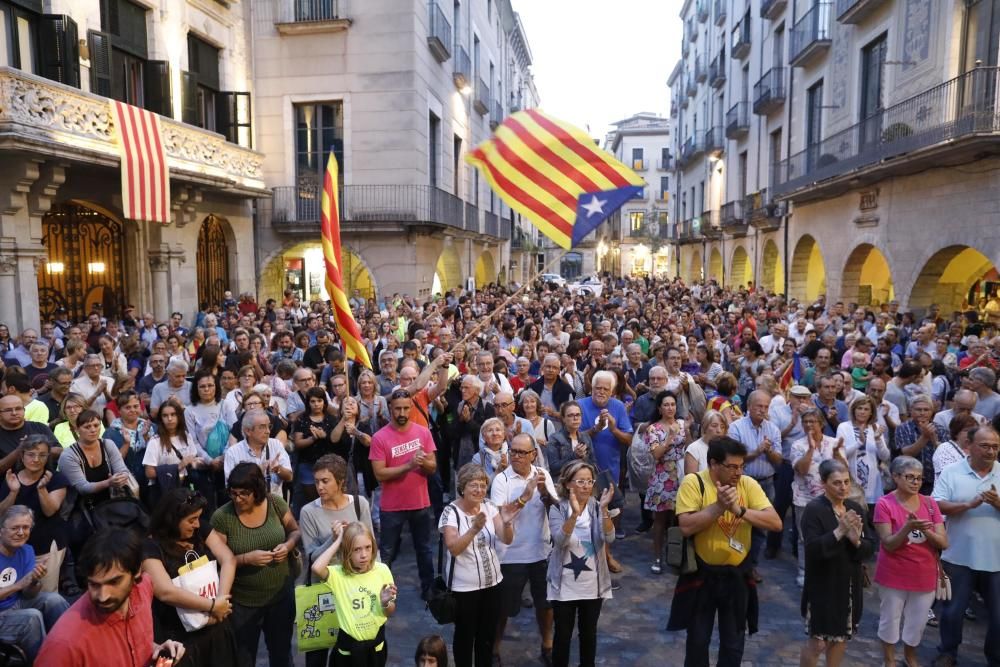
(631, 627)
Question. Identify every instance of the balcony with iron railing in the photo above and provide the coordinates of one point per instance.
(740, 44)
(709, 225)
(733, 217)
(952, 121)
(700, 71)
(439, 34)
(856, 11)
(764, 214)
(461, 72)
(310, 16)
(497, 116)
(769, 92)
(771, 9)
(685, 98)
(717, 71)
(704, 9)
(715, 142)
(692, 86)
(720, 12)
(638, 164)
(481, 102)
(369, 207)
(673, 108)
(688, 231)
(738, 120)
(470, 219)
(665, 163)
(693, 148)
(638, 230)
(811, 38)
(685, 45)
(492, 224)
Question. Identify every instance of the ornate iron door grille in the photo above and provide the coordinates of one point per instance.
(85, 265)
(213, 262)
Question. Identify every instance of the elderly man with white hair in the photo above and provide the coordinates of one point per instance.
(176, 386)
(92, 384)
(606, 421)
(983, 381)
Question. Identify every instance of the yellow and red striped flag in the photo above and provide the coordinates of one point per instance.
(553, 174)
(145, 178)
(350, 333)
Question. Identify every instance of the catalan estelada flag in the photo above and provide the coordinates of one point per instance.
(792, 374)
(553, 174)
(350, 334)
(145, 178)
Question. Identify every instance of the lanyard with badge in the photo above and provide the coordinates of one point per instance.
(730, 526)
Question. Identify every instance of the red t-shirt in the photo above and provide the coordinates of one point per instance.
(913, 566)
(395, 448)
(84, 636)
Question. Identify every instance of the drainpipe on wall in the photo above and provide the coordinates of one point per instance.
(788, 153)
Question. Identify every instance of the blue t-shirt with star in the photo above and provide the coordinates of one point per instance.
(12, 569)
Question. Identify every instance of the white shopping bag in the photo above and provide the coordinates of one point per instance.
(201, 577)
(53, 561)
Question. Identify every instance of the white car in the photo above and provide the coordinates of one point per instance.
(590, 286)
(554, 278)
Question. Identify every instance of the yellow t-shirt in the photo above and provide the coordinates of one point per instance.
(356, 596)
(712, 545)
(36, 411)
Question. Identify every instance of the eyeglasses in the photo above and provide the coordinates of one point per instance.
(12, 411)
(35, 456)
(733, 467)
(583, 482)
(573, 415)
(503, 405)
(476, 486)
(240, 493)
(521, 452)
(913, 478)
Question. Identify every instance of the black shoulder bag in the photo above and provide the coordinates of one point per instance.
(680, 549)
(440, 599)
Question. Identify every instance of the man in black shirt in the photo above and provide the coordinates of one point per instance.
(59, 381)
(39, 360)
(315, 356)
(13, 428)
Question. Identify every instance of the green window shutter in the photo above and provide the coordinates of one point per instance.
(233, 118)
(100, 62)
(189, 98)
(60, 51)
(156, 82)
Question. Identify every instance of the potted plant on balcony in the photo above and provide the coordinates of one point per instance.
(895, 132)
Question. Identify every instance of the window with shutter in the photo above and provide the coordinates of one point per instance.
(233, 118)
(126, 23)
(157, 87)
(20, 35)
(100, 62)
(189, 98)
(59, 57)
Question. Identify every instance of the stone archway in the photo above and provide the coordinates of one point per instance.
(695, 268)
(740, 268)
(301, 268)
(486, 272)
(808, 271)
(867, 278)
(448, 271)
(715, 265)
(772, 271)
(954, 277)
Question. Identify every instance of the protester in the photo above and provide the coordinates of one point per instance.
(837, 540)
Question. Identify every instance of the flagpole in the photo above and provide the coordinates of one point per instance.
(506, 302)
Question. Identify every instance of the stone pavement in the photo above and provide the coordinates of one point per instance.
(631, 627)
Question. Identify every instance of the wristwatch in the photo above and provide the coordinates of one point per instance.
(743, 510)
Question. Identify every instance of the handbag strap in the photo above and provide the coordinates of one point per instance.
(451, 572)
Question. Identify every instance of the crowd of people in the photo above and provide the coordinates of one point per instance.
(506, 431)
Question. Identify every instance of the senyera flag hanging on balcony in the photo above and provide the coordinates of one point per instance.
(350, 333)
(553, 174)
(145, 179)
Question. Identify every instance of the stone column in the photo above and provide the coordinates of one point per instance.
(158, 267)
(8, 286)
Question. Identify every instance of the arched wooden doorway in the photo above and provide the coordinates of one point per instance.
(213, 261)
(84, 268)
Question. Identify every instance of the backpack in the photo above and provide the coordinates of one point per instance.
(640, 460)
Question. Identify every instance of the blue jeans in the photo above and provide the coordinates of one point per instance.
(26, 622)
(964, 580)
(421, 523)
(273, 619)
(757, 536)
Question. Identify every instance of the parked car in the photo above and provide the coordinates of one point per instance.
(553, 278)
(589, 286)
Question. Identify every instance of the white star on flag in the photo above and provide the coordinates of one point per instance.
(595, 206)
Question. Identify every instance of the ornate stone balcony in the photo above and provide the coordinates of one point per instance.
(41, 116)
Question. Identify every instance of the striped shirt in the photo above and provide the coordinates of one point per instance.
(255, 586)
